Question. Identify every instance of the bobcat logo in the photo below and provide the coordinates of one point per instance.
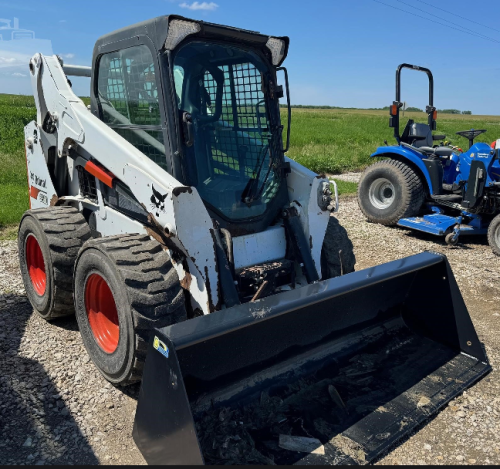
(158, 201)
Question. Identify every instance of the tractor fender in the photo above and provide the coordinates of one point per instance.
(411, 157)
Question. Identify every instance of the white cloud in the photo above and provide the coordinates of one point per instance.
(206, 6)
(7, 60)
(62, 21)
(67, 56)
(19, 75)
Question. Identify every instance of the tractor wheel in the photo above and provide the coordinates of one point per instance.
(124, 287)
(337, 253)
(390, 190)
(49, 240)
(494, 235)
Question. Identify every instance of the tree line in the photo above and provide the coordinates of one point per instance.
(385, 108)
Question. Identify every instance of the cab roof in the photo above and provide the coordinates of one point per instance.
(156, 29)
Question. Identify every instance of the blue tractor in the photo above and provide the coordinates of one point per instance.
(434, 188)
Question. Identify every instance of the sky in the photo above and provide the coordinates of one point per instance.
(342, 52)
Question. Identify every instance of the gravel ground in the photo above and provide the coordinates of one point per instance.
(56, 408)
(349, 177)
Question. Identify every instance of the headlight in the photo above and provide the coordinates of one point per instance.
(277, 48)
(178, 30)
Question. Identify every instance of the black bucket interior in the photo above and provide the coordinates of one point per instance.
(350, 364)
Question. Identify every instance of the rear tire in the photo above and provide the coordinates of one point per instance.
(494, 235)
(49, 240)
(390, 190)
(125, 286)
(337, 253)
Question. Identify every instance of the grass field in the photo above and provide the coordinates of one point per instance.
(327, 141)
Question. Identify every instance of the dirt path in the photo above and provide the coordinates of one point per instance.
(56, 408)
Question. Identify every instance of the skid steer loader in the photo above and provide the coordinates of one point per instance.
(202, 260)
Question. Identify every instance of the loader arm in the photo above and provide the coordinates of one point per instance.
(83, 138)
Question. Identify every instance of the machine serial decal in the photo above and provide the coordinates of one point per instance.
(43, 198)
(158, 201)
(160, 346)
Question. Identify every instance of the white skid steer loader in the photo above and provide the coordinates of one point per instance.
(200, 259)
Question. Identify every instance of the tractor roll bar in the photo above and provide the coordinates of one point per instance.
(394, 110)
(420, 69)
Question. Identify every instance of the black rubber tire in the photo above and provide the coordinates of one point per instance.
(60, 233)
(493, 238)
(408, 187)
(337, 253)
(147, 294)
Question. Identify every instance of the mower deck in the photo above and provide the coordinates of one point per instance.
(439, 224)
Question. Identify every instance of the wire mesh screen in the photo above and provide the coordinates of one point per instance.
(87, 184)
(129, 97)
(242, 139)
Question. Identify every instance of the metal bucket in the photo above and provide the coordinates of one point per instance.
(351, 364)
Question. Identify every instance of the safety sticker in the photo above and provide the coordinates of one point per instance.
(160, 346)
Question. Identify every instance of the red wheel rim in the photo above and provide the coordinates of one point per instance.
(36, 265)
(101, 313)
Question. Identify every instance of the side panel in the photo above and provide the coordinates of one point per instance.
(303, 189)
(406, 154)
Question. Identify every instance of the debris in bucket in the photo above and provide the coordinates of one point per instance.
(286, 422)
(269, 427)
(334, 394)
(301, 444)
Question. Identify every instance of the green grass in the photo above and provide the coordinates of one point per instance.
(336, 140)
(346, 187)
(15, 113)
(327, 141)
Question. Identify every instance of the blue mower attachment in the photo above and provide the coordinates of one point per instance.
(346, 367)
(436, 189)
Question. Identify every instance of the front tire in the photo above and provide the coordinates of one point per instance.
(390, 190)
(337, 253)
(494, 235)
(49, 240)
(125, 286)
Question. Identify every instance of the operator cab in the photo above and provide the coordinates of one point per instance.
(202, 101)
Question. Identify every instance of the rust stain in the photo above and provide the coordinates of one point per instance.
(186, 281)
(54, 200)
(156, 232)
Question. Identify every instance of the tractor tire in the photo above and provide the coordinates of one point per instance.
(124, 287)
(390, 190)
(337, 253)
(494, 235)
(49, 240)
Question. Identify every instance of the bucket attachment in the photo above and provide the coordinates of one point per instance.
(332, 373)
